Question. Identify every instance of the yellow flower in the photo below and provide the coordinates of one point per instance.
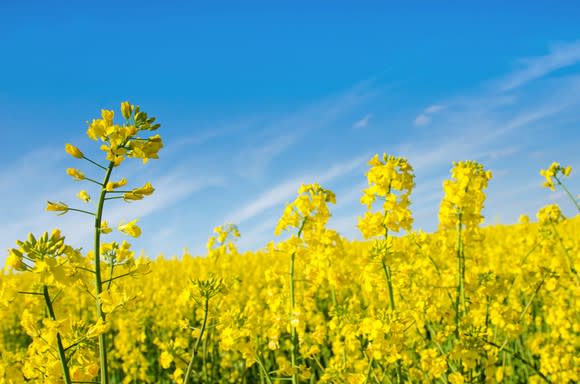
(97, 130)
(139, 193)
(309, 208)
(524, 219)
(146, 190)
(178, 375)
(105, 227)
(456, 378)
(98, 328)
(464, 196)
(391, 180)
(111, 185)
(57, 207)
(14, 260)
(567, 170)
(130, 228)
(75, 174)
(108, 116)
(73, 151)
(550, 214)
(552, 173)
(166, 359)
(126, 109)
(84, 196)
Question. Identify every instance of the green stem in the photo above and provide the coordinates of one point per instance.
(196, 346)
(387, 271)
(519, 357)
(82, 211)
(266, 375)
(94, 162)
(110, 280)
(98, 281)
(294, 333)
(460, 297)
(61, 355)
(94, 181)
(386, 268)
(568, 193)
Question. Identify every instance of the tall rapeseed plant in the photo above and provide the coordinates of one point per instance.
(118, 141)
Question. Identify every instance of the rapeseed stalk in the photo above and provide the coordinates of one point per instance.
(207, 289)
(548, 218)
(309, 214)
(43, 256)
(461, 211)
(390, 180)
(119, 143)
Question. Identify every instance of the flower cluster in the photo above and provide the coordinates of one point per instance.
(309, 211)
(390, 180)
(550, 214)
(464, 196)
(121, 141)
(551, 174)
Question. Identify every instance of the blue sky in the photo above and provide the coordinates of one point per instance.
(256, 99)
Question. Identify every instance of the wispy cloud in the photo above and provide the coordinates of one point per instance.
(362, 122)
(210, 132)
(421, 120)
(254, 159)
(425, 117)
(278, 134)
(284, 191)
(560, 56)
(434, 108)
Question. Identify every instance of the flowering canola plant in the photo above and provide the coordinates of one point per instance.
(465, 304)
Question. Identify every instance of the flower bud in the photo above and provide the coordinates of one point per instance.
(126, 109)
(84, 196)
(75, 174)
(15, 262)
(73, 151)
(57, 207)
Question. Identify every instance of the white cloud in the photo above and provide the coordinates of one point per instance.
(425, 117)
(421, 120)
(362, 122)
(434, 108)
(284, 191)
(560, 56)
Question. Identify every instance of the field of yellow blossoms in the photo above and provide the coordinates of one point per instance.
(465, 304)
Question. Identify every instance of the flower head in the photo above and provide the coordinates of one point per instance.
(130, 228)
(551, 174)
(464, 196)
(310, 208)
(390, 180)
(550, 214)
